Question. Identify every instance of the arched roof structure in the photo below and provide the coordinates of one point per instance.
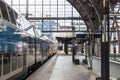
(91, 11)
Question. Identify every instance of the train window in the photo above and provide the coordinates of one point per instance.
(20, 54)
(0, 13)
(0, 64)
(10, 11)
(4, 10)
(14, 61)
(30, 31)
(20, 61)
(6, 64)
(15, 16)
(26, 23)
(20, 21)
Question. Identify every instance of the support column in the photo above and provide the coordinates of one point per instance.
(73, 47)
(105, 43)
(66, 48)
(27, 8)
(90, 52)
(105, 61)
(118, 34)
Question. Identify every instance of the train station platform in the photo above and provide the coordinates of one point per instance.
(61, 67)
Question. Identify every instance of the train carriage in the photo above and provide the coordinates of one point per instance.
(21, 49)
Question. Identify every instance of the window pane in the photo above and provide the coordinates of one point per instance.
(46, 1)
(6, 63)
(23, 9)
(0, 13)
(12, 18)
(39, 2)
(31, 1)
(16, 8)
(20, 61)
(22, 1)
(16, 1)
(53, 1)
(61, 1)
(4, 10)
(14, 61)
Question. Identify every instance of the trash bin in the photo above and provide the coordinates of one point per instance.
(98, 78)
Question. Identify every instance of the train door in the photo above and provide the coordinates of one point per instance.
(25, 50)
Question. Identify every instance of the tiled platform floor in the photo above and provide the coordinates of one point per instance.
(62, 69)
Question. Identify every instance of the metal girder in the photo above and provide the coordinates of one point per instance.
(84, 5)
(92, 12)
(114, 14)
(95, 9)
(114, 1)
(80, 10)
(55, 18)
(64, 31)
(89, 15)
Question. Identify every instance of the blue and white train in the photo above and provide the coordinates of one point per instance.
(21, 49)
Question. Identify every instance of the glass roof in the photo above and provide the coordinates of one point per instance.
(50, 9)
